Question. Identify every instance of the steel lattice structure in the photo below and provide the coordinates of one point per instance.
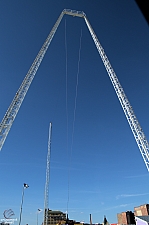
(127, 108)
(46, 199)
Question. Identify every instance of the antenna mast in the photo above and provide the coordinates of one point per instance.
(46, 200)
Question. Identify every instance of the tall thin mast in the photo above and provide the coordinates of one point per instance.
(46, 200)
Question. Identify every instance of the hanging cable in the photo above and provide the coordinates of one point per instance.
(66, 83)
(74, 117)
(66, 68)
(66, 89)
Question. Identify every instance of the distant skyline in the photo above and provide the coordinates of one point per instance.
(107, 172)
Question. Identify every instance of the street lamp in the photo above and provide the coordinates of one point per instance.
(24, 187)
(38, 211)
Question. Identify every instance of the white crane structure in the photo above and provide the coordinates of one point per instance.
(46, 199)
(127, 108)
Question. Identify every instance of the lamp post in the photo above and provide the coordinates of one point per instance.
(24, 187)
(38, 211)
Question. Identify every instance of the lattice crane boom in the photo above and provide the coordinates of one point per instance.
(15, 105)
(13, 109)
(127, 108)
(46, 199)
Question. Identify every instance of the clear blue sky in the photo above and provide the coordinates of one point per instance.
(108, 174)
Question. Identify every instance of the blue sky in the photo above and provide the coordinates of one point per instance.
(107, 172)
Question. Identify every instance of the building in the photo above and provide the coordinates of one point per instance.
(56, 217)
(121, 218)
(142, 210)
(126, 218)
(130, 217)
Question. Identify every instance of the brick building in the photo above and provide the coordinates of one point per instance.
(126, 218)
(121, 218)
(142, 210)
(55, 217)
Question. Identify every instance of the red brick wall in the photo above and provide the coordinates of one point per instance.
(121, 217)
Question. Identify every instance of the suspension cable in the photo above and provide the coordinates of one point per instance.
(66, 68)
(74, 118)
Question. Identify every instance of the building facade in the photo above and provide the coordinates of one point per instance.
(121, 218)
(126, 218)
(142, 210)
(56, 217)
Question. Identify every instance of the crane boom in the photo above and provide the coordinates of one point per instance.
(127, 108)
(14, 107)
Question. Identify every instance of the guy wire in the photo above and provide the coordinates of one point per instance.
(74, 114)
